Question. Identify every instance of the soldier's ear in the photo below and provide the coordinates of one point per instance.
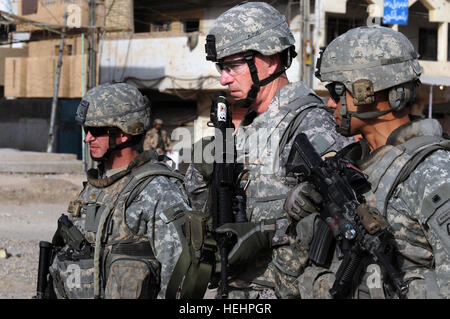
(274, 62)
(124, 137)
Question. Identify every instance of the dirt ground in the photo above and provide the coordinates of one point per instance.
(29, 209)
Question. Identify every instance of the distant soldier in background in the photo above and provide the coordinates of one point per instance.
(157, 139)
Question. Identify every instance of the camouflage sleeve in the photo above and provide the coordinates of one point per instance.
(320, 127)
(145, 217)
(423, 234)
(196, 187)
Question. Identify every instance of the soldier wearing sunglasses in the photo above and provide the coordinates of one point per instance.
(122, 236)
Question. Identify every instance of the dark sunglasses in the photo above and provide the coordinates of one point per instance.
(96, 131)
(233, 67)
(336, 90)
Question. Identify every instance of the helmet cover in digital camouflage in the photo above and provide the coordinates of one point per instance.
(118, 105)
(379, 54)
(250, 26)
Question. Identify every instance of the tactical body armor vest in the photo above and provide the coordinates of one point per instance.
(118, 253)
(260, 144)
(389, 166)
(386, 167)
(267, 187)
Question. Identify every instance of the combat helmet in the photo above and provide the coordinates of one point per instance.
(366, 60)
(250, 28)
(116, 106)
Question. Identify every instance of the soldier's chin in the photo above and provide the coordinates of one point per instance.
(97, 159)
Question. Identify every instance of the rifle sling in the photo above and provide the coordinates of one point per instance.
(189, 279)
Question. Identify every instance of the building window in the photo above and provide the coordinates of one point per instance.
(161, 26)
(312, 6)
(428, 44)
(157, 17)
(337, 26)
(191, 25)
(29, 7)
(67, 49)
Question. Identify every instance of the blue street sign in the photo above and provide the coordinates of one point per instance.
(395, 12)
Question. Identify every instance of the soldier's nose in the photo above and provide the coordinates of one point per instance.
(88, 138)
(225, 78)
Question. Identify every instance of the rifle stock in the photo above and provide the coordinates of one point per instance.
(44, 288)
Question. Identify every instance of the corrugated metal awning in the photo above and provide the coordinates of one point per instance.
(435, 80)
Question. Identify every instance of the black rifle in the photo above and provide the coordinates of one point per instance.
(225, 198)
(359, 231)
(66, 234)
(44, 288)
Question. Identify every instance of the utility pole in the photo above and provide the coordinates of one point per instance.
(300, 32)
(51, 133)
(91, 71)
(92, 41)
(306, 34)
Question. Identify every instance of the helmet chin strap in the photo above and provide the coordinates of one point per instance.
(253, 92)
(344, 128)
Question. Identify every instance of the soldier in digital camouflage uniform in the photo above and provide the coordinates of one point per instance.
(373, 74)
(128, 212)
(252, 46)
(157, 138)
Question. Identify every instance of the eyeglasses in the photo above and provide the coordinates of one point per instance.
(96, 131)
(336, 90)
(232, 67)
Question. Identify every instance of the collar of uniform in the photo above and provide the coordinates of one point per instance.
(281, 102)
(114, 171)
(259, 120)
(94, 177)
(422, 127)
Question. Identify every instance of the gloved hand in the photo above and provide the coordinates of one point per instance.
(251, 239)
(302, 200)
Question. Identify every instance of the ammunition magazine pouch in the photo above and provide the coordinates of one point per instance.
(74, 278)
(196, 262)
(132, 272)
(75, 208)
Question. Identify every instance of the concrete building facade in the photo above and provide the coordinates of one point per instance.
(159, 46)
